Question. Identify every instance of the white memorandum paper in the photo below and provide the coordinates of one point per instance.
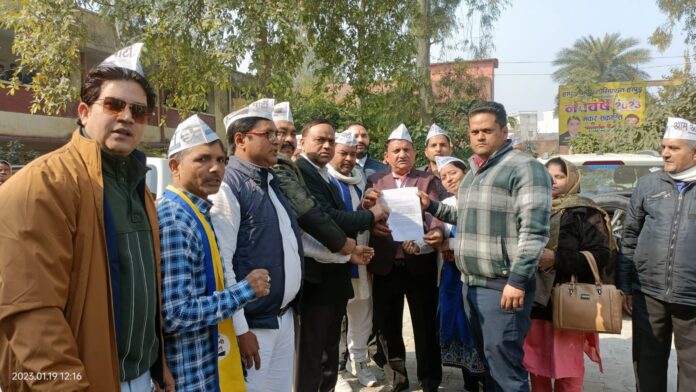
(405, 218)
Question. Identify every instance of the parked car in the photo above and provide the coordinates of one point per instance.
(609, 179)
(158, 177)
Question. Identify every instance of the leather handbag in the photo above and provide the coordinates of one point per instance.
(587, 307)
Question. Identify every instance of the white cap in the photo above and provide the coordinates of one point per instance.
(281, 112)
(128, 58)
(444, 161)
(400, 133)
(191, 133)
(347, 138)
(434, 131)
(262, 108)
(678, 128)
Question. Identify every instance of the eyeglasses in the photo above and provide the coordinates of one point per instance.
(271, 136)
(115, 107)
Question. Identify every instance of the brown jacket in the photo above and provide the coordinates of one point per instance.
(56, 320)
(385, 247)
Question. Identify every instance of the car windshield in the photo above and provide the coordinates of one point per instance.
(611, 178)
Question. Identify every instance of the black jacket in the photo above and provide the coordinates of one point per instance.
(576, 234)
(310, 215)
(324, 282)
(659, 240)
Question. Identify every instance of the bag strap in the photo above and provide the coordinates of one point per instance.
(593, 265)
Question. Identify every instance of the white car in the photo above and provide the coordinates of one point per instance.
(158, 177)
(609, 179)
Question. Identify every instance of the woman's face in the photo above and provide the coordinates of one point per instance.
(451, 176)
(560, 180)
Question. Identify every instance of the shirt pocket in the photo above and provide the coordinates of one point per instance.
(659, 204)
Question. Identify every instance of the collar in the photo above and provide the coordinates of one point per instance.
(202, 204)
(362, 161)
(323, 171)
(255, 172)
(496, 156)
(129, 168)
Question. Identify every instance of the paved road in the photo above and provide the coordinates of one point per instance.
(616, 357)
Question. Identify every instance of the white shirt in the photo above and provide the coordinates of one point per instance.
(226, 217)
(362, 161)
(323, 171)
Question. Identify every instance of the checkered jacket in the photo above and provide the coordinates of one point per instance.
(189, 313)
(502, 216)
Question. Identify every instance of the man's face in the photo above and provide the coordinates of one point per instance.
(5, 172)
(319, 144)
(632, 121)
(288, 140)
(574, 127)
(438, 146)
(362, 138)
(400, 156)
(200, 169)
(677, 155)
(117, 133)
(344, 159)
(258, 146)
(485, 135)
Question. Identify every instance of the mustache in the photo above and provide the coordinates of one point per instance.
(287, 145)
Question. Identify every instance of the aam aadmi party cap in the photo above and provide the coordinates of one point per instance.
(400, 133)
(262, 108)
(128, 58)
(444, 161)
(434, 131)
(678, 128)
(281, 112)
(190, 133)
(347, 138)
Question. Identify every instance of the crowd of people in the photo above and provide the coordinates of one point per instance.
(241, 276)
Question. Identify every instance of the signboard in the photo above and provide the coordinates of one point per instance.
(609, 105)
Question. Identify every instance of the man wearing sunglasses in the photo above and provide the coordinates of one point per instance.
(257, 229)
(79, 270)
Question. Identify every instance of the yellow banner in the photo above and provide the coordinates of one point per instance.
(607, 106)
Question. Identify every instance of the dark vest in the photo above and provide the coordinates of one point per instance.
(259, 241)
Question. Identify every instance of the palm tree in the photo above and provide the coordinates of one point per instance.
(607, 59)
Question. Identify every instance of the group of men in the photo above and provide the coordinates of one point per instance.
(240, 276)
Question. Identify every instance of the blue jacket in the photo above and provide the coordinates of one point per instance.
(259, 241)
(373, 166)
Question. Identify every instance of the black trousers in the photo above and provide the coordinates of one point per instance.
(654, 322)
(388, 310)
(320, 332)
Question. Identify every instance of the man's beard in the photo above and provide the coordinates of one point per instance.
(361, 153)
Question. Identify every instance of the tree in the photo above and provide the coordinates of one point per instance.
(193, 46)
(677, 11)
(595, 60)
(51, 60)
(15, 153)
(436, 21)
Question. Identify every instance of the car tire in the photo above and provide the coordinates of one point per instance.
(617, 207)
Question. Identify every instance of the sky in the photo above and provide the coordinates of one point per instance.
(536, 30)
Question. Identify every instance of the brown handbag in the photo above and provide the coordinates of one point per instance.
(587, 307)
